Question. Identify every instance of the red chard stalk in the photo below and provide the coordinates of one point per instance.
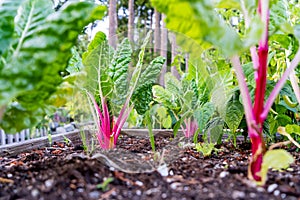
(256, 114)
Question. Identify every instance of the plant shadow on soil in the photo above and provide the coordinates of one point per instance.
(130, 172)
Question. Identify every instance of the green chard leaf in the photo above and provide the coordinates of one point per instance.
(8, 11)
(161, 95)
(142, 96)
(118, 71)
(39, 50)
(97, 61)
(203, 114)
(200, 21)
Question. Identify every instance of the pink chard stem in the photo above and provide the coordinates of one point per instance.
(258, 144)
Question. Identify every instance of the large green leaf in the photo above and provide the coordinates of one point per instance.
(118, 71)
(8, 11)
(199, 21)
(149, 75)
(39, 50)
(97, 61)
(138, 68)
(142, 96)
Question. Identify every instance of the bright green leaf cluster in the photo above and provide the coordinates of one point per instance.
(35, 47)
(112, 67)
(199, 21)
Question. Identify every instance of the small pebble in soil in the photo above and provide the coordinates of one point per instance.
(283, 196)
(276, 193)
(35, 193)
(223, 174)
(111, 168)
(9, 175)
(151, 191)
(252, 195)
(163, 170)
(49, 183)
(171, 172)
(64, 196)
(80, 190)
(94, 195)
(211, 195)
(139, 183)
(138, 192)
(272, 187)
(238, 194)
(260, 189)
(184, 159)
(174, 186)
(164, 195)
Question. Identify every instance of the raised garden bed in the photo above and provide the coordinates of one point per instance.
(129, 172)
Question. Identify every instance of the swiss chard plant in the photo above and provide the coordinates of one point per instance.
(113, 92)
(184, 98)
(262, 19)
(35, 48)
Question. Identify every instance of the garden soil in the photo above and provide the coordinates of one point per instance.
(131, 171)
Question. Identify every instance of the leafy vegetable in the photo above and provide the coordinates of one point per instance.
(199, 20)
(109, 81)
(35, 48)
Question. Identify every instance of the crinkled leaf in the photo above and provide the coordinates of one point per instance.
(214, 128)
(297, 32)
(75, 62)
(8, 11)
(142, 96)
(138, 68)
(149, 75)
(165, 97)
(254, 32)
(118, 71)
(40, 50)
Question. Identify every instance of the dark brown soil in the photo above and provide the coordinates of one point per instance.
(63, 172)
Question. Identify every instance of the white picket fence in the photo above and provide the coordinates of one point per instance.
(23, 135)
